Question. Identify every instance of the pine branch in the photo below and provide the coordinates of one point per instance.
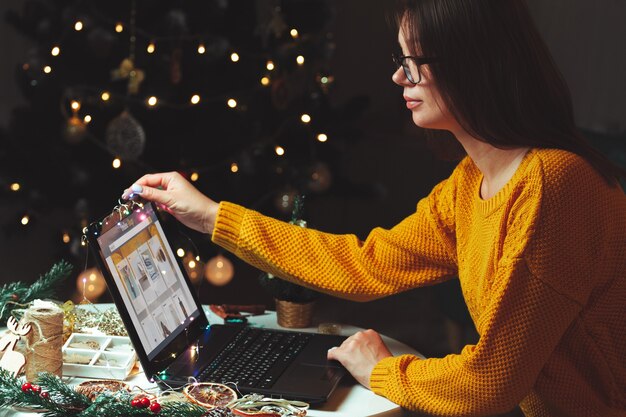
(114, 405)
(180, 409)
(44, 287)
(11, 393)
(62, 394)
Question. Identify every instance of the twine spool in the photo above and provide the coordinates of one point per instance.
(294, 315)
(44, 342)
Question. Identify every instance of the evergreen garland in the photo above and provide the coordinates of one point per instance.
(57, 399)
(15, 293)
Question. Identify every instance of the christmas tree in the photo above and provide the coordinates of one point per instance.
(235, 95)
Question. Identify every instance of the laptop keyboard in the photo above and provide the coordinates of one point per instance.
(255, 358)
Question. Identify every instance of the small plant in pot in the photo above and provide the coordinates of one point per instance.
(294, 303)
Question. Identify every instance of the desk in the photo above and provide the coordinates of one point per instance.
(346, 401)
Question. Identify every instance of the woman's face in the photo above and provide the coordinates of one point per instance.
(423, 99)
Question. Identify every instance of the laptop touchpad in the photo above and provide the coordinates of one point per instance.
(312, 372)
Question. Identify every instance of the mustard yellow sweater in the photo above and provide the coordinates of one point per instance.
(542, 266)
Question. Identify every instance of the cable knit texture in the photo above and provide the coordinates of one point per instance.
(542, 266)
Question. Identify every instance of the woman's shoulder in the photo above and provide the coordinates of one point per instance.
(558, 168)
(566, 181)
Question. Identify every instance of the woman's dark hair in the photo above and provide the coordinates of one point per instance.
(496, 75)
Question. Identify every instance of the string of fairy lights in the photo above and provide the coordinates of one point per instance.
(79, 106)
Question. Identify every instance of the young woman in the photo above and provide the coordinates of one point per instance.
(532, 221)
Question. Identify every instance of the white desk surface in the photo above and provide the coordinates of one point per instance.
(346, 401)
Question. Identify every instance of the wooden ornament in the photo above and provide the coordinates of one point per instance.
(13, 361)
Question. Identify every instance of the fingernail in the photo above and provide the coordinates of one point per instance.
(334, 347)
(137, 188)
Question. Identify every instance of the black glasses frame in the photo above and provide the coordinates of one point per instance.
(401, 61)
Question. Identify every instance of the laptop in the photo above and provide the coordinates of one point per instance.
(170, 332)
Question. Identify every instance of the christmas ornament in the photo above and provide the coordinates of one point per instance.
(127, 70)
(125, 136)
(13, 361)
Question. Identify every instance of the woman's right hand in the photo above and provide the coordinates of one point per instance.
(179, 197)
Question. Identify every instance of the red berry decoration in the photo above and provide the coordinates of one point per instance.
(27, 386)
(36, 389)
(45, 395)
(144, 402)
(134, 402)
(155, 407)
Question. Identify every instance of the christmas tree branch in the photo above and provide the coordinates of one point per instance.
(62, 394)
(16, 294)
(44, 287)
(10, 390)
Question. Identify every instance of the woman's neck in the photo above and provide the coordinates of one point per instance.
(497, 165)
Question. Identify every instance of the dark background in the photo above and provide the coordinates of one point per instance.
(390, 159)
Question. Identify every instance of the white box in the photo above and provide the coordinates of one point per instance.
(96, 356)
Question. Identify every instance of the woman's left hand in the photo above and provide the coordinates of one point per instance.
(360, 353)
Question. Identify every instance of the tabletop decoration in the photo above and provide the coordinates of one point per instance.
(43, 344)
(209, 394)
(97, 320)
(92, 389)
(105, 398)
(58, 399)
(13, 361)
(256, 405)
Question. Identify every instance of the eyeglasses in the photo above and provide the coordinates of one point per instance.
(411, 65)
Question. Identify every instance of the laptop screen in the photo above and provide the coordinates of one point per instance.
(150, 282)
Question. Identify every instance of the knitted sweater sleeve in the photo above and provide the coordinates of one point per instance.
(538, 291)
(417, 251)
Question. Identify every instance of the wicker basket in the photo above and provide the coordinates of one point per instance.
(294, 315)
